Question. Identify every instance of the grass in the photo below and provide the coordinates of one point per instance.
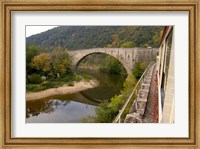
(43, 86)
(59, 82)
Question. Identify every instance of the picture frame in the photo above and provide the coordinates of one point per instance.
(7, 7)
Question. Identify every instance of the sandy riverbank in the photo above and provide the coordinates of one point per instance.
(78, 86)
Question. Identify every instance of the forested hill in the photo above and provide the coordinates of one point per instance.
(84, 37)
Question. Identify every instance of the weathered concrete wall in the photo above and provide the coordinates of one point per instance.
(127, 56)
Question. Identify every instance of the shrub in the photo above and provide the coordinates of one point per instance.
(48, 84)
(78, 78)
(67, 78)
(30, 87)
(86, 77)
(105, 113)
(35, 79)
(139, 69)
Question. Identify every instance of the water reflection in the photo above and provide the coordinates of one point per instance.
(71, 108)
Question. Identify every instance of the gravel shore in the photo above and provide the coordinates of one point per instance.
(78, 86)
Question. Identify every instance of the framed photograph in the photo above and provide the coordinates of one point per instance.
(100, 74)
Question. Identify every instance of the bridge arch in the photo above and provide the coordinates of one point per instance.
(86, 55)
(126, 56)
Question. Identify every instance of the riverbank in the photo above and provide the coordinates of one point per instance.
(78, 86)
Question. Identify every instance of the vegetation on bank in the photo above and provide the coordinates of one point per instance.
(49, 69)
(68, 80)
(108, 109)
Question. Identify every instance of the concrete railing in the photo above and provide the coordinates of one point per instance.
(135, 91)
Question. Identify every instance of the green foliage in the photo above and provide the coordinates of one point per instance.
(61, 61)
(86, 77)
(41, 62)
(52, 65)
(78, 77)
(104, 113)
(107, 110)
(139, 68)
(66, 78)
(62, 66)
(127, 44)
(35, 79)
(30, 87)
(129, 83)
(49, 84)
(111, 65)
(89, 119)
(84, 37)
(116, 103)
(31, 51)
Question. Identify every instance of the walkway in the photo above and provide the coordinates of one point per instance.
(151, 112)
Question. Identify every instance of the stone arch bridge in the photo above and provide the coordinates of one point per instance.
(126, 56)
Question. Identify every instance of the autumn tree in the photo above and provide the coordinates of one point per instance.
(42, 63)
(62, 66)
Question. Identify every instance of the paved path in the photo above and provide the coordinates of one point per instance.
(151, 112)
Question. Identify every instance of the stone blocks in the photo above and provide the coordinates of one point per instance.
(138, 108)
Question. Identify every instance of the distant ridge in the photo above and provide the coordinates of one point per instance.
(83, 37)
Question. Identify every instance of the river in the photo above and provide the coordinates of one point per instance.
(72, 108)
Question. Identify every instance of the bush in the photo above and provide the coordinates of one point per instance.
(107, 110)
(139, 69)
(86, 77)
(35, 79)
(105, 113)
(78, 78)
(67, 78)
(48, 84)
(30, 87)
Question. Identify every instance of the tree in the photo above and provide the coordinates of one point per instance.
(129, 83)
(127, 44)
(42, 62)
(31, 51)
(111, 65)
(116, 41)
(104, 113)
(62, 66)
(139, 69)
(61, 61)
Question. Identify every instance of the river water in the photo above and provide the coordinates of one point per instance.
(72, 108)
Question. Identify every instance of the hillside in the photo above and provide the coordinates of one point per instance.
(83, 37)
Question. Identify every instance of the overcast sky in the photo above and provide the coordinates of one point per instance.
(32, 30)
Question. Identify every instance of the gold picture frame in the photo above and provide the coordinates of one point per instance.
(192, 6)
